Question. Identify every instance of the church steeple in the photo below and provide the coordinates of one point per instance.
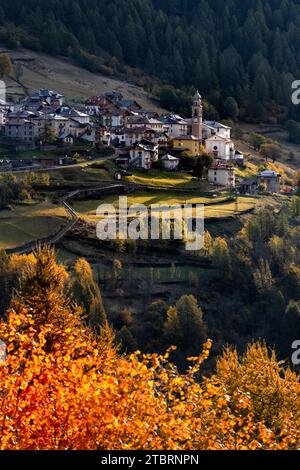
(197, 116)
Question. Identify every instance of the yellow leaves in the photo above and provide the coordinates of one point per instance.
(79, 397)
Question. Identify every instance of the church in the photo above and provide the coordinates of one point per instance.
(214, 136)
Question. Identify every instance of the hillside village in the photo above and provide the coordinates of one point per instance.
(143, 139)
(149, 229)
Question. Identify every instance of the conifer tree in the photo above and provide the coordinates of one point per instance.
(184, 325)
(43, 290)
(87, 293)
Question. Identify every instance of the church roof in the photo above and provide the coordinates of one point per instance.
(216, 125)
(217, 137)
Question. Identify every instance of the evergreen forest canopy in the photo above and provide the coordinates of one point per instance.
(249, 50)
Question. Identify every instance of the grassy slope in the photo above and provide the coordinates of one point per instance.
(42, 71)
(165, 179)
(29, 222)
(278, 134)
(216, 208)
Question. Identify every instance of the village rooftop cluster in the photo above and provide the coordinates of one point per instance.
(142, 137)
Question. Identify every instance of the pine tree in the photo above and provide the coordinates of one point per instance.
(48, 135)
(232, 108)
(253, 58)
(199, 169)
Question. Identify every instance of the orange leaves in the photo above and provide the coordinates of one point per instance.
(79, 395)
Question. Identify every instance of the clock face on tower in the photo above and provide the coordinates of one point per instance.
(196, 120)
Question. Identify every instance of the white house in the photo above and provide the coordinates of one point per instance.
(238, 157)
(170, 163)
(216, 128)
(74, 114)
(143, 155)
(132, 122)
(222, 175)
(118, 118)
(133, 135)
(174, 125)
(220, 147)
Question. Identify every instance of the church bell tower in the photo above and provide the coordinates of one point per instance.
(197, 116)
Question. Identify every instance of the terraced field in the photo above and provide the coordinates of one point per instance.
(180, 180)
(25, 223)
(219, 207)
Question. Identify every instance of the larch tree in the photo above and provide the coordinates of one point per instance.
(185, 326)
(43, 290)
(6, 67)
(221, 257)
(87, 293)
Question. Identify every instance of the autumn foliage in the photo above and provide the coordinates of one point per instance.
(62, 387)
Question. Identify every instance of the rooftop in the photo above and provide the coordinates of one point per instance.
(170, 158)
(216, 125)
(269, 174)
(44, 93)
(173, 119)
(187, 137)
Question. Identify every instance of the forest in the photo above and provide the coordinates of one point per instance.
(66, 386)
(247, 51)
(210, 367)
(251, 292)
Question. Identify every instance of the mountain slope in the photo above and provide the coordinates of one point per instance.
(248, 50)
(43, 71)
